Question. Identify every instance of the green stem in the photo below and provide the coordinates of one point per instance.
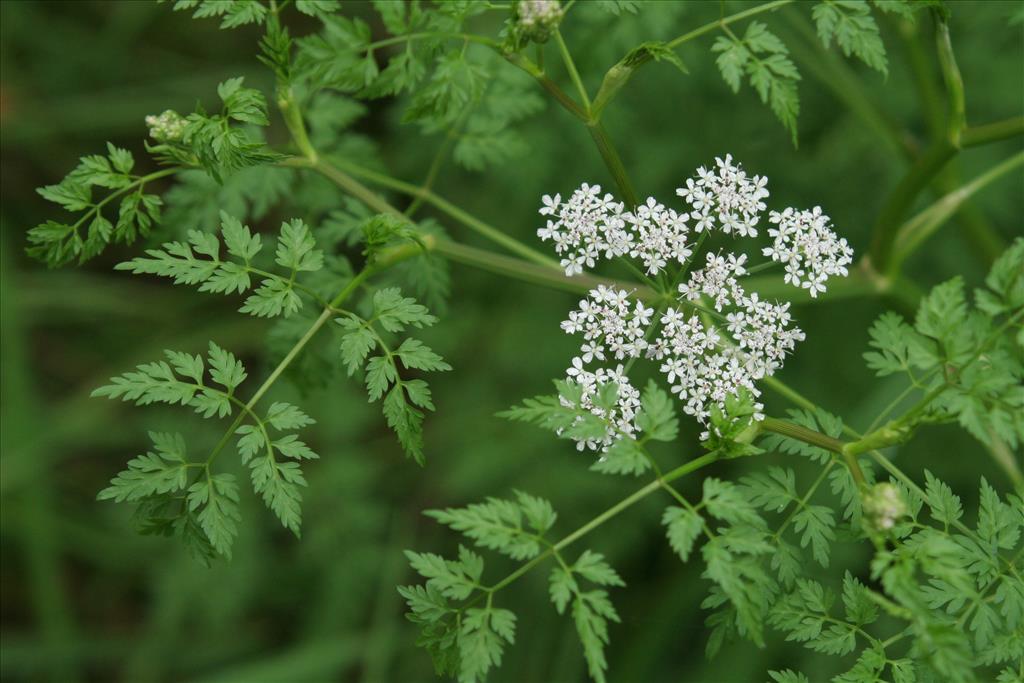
(530, 272)
(993, 132)
(137, 184)
(815, 438)
(521, 61)
(347, 291)
(574, 74)
(725, 21)
(956, 117)
(901, 199)
(608, 514)
(614, 163)
(922, 226)
(349, 184)
(289, 107)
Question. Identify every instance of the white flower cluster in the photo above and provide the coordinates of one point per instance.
(166, 127)
(608, 325)
(584, 228)
(726, 195)
(590, 226)
(701, 365)
(724, 339)
(883, 506)
(809, 247)
(621, 418)
(539, 13)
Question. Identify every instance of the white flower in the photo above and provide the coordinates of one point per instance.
(811, 250)
(726, 195)
(609, 325)
(166, 127)
(706, 356)
(539, 13)
(659, 235)
(585, 228)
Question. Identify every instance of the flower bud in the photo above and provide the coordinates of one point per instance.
(167, 127)
(883, 506)
(536, 19)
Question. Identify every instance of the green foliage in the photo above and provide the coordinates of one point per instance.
(213, 142)
(469, 641)
(850, 24)
(963, 358)
(501, 525)
(233, 13)
(58, 244)
(198, 262)
(404, 399)
(155, 480)
(942, 600)
(732, 426)
(764, 60)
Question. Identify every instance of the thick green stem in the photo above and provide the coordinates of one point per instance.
(614, 163)
(902, 198)
(292, 114)
(956, 116)
(993, 132)
(815, 438)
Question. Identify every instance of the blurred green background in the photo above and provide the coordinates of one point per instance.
(84, 598)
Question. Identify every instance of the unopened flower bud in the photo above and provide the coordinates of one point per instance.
(166, 127)
(883, 506)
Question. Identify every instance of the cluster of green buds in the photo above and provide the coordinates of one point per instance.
(537, 19)
(883, 506)
(167, 127)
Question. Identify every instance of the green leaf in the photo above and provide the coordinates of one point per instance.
(296, 248)
(593, 567)
(285, 416)
(788, 676)
(860, 609)
(561, 587)
(273, 297)
(278, 484)
(395, 312)
(225, 369)
(625, 456)
(482, 640)
(591, 612)
(497, 524)
(657, 418)
(153, 473)
(683, 526)
(773, 490)
(449, 578)
(945, 505)
(726, 501)
(238, 239)
(291, 446)
(356, 343)
(850, 24)
(816, 526)
(215, 497)
(417, 356)
(233, 13)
